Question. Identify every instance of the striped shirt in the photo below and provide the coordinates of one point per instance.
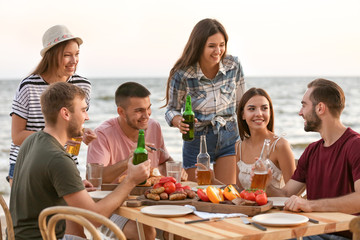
(26, 104)
(211, 98)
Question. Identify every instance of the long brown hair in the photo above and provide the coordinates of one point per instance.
(195, 46)
(51, 60)
(244, 130)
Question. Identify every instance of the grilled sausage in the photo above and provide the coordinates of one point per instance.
(190, 193)
(164, 196)
(157, 190)
(153, 196)
(177, 196)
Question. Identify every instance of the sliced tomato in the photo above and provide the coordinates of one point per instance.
(187, 187)
(167, 179)
(202, 195)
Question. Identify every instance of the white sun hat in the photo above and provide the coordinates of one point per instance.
(55, 35)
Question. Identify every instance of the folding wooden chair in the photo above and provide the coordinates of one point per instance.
(9, 223)
(78, 215)
(355, 228)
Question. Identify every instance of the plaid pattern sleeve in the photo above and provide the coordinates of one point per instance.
(210, 98)
(240, 84)
(177, 96)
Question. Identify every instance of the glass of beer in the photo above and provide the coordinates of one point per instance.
(203, 161)
(75, 147)
(261, 167)
(203, 177)
(259, 180)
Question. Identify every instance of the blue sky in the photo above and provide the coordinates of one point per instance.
(144, 38)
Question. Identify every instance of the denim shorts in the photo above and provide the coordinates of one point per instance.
(11, 171)
(218, 145)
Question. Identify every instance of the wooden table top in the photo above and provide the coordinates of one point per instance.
(234, 228)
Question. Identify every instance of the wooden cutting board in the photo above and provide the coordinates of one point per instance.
(142, 201)
(227, 208)
(136, 190)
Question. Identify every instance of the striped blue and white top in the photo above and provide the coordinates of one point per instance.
(26, 104)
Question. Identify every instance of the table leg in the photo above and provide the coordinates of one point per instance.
(171, 236)
(140, 229)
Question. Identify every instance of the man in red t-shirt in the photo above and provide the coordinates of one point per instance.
(330, 167)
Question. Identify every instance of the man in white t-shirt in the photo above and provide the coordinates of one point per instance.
(117, 139)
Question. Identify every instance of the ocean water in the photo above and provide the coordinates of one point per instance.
(286, 94)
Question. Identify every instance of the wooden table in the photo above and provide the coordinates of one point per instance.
(234, 228)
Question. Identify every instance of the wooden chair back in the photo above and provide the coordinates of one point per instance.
(9, 223)
(81, 216)
(355, 228)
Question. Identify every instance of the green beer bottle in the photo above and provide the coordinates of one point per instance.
(140, 153)
(189, 117)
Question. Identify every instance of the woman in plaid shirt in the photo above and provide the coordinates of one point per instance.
(215, 82)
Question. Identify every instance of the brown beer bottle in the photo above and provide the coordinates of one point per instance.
(140, 153)
(189, 117)
(261, 167)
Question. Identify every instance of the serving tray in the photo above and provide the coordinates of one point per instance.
(136, 190)
(141, 201)
(228, 208)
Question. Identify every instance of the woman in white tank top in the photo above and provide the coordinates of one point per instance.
(255, 117)
(256, 123)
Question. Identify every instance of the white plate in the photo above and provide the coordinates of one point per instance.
(280, 219)
(166, 210)
(205, 186)
(278, 201)
(99, 194)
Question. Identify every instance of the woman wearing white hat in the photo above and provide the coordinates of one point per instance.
(60, 56)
